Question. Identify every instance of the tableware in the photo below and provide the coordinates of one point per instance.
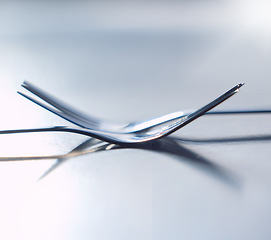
(83, 120)
(141, 136)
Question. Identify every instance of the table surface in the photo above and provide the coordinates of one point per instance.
(129, 61)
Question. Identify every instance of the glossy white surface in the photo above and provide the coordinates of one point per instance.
(125, 62)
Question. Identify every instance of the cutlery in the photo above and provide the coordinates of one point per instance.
(139, 136)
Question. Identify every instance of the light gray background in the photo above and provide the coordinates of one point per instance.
(128, 61)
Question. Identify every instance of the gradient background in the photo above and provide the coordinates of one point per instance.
(127, 61)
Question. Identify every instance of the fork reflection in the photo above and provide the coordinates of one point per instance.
(172, 146)
(169, 145)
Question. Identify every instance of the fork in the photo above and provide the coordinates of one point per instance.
(80, 119)
(141, 136)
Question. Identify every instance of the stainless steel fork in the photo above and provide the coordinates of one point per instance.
(83, 120)
(139, 136)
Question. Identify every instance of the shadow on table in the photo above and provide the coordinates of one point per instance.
(174, 147)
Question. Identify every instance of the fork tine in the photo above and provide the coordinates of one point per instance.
(70, 118)
(58, 104)
(191, 117)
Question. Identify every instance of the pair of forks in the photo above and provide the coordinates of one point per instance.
(122, 134)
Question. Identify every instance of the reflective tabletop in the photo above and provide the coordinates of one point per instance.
(125, 62)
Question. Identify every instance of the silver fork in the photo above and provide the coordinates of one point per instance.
(80, 119)
(140, 136)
